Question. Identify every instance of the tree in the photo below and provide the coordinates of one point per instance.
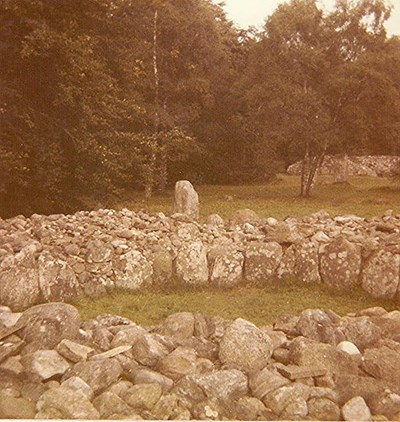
(306, 78)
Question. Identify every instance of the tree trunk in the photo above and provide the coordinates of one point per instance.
(150, 176)
(310, 167)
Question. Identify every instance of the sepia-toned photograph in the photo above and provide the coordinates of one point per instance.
(200, 210)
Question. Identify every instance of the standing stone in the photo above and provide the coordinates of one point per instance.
(341, 264)
(380, 276)
(191, 263)
(57, 279)
(19, 280)
(341, 169)
(262, 261)
(186, 199)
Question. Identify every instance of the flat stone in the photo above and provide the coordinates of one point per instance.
(265, 382)
(46, 364)
(72, 351)
(10, 349)
(99, 374)
(111, 353)
(294, 372)
(7, 331)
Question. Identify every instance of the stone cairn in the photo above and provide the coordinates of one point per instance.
(313, 366)
(58, 257)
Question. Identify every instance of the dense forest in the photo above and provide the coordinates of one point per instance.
(98, 97)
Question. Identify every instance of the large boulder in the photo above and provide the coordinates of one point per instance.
(133, 271)
(262, 261)
(109, 404)
(306, 352)
(356, 410)
(57, 279)
(361, 331)
(65, 403)
(224, 384)
(340, 264)
(226, 265)
(191, 264)
(319, 326)
(162, 266)
(266, 381)
(245, 347)
(181, 362)
(306, 267)
(19, 280)
(186, 199)
(45, 364)
(382, 363)
(381, 274)
(179, 325)
(46, 325)
(98, 374)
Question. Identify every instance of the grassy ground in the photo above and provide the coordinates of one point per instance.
(259, 305)
(364, 196)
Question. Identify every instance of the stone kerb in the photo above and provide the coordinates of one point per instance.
(56, 258)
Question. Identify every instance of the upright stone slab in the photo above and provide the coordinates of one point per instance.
(186, 199)
(19, 280)
(307, 262)
(380, 276)
(340, 264)
(191, 265)
(262, 261)
(57, 279)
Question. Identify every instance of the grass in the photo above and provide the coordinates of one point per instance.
(363, 196)
(261, 305)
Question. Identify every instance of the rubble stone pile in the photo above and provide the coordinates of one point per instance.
(313, 366)
(58, 257)
(367, 165)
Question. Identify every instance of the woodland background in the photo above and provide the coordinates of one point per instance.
(99, 97)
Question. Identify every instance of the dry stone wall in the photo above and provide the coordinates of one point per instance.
(59, 257)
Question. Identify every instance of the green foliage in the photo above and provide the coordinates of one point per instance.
(261, 306)
(81, 113)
